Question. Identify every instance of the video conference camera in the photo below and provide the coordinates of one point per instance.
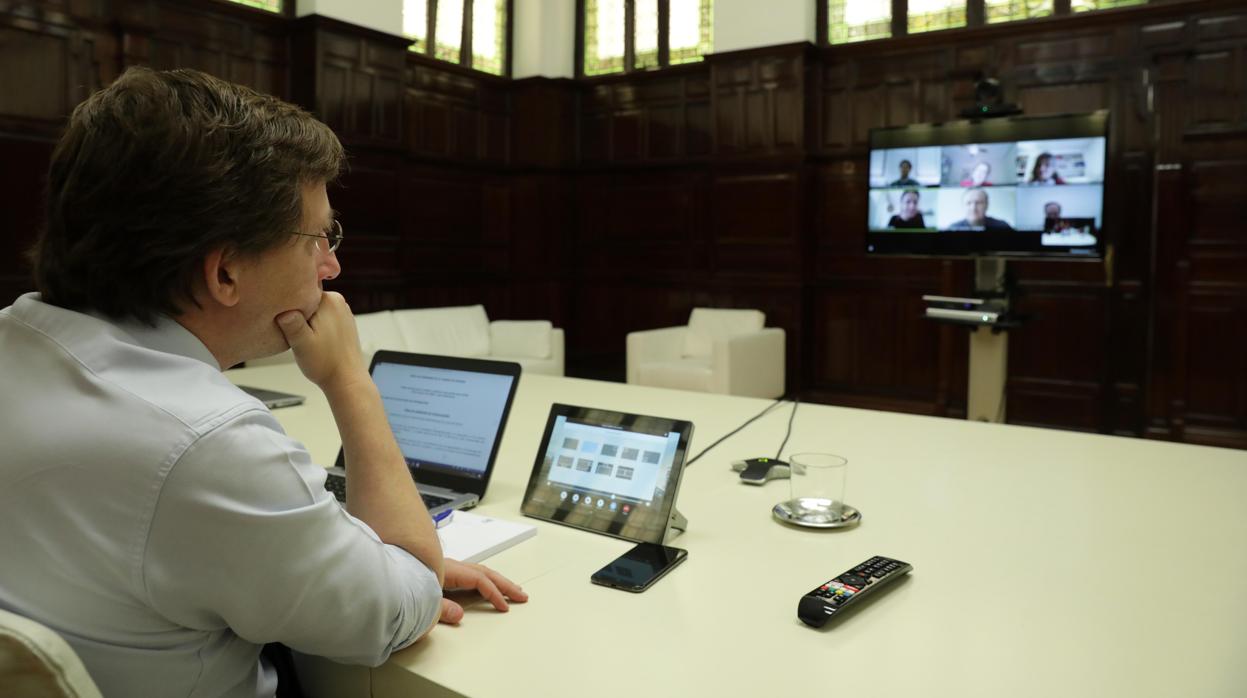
(989, 101)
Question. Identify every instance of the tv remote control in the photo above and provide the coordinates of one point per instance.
(848, 588)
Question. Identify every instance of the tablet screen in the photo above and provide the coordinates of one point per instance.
(608, 472)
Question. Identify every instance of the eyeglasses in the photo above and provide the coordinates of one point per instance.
(333, 238)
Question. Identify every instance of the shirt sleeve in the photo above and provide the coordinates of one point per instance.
(245, 536)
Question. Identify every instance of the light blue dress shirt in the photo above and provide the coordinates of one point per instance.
(160, 519)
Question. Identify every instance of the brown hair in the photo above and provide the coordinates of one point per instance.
(1039, 161)
(157, 170)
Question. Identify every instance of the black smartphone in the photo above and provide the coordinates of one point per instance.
(640, 567)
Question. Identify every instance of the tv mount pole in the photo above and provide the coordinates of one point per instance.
(989, 346)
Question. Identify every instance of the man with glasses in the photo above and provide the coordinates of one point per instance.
(154, 514)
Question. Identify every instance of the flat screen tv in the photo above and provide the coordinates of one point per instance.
(1008, 187)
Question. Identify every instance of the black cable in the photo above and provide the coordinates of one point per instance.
(769, 407)
(795, 401)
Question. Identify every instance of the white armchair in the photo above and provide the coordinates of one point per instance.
(719, 351)
(36, 661)
(464, 331)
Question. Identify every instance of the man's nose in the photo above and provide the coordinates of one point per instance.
(329, 267)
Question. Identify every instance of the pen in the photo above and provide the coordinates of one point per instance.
(440, 520)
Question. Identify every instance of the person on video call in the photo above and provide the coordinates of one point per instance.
(905, 180)
(910, 216)
(1044, 172)
(978, 175)
(975, 202)
(1052, 221)
(176, 528)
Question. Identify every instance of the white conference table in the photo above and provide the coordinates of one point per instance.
(1045, 563)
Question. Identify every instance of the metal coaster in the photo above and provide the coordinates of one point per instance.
(792, 512)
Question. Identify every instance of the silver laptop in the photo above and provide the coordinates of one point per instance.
(448, 415)
(272, 399)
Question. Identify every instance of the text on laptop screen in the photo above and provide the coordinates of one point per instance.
(443, 419)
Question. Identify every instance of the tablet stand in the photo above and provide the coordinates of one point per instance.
(676, 525)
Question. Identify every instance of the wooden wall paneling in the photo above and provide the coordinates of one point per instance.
(541, 222)
(697, 136)
(1211, 79)
(833, 111)
(647, 118)
(494, 126)
(641, 225)
(48, 63)
(232, 43)
(758, 102)
(22, 182)
(366, 200)
(1059, 357)
(355, 82)
(544, 125)
(38, 100)
(1167, 284)
(757, 219)
(1215, 400)
(872, 348)
(454, 114)
(1215, 316)
(1126, 364)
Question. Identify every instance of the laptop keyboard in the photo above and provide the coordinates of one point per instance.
(431, 500)
(336, 484)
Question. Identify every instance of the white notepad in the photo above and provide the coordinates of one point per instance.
(471, 537)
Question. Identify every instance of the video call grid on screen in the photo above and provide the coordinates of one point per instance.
(443, 418)
(1011, 175)
(608, 472)
(600, 460)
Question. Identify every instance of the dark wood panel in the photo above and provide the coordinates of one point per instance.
(758, 101)
(1054, 404)
(28, 93)
(874, 343)
(762, 207)
(442, 209)
(1064, 340)
(22, 181)
(1218, 191)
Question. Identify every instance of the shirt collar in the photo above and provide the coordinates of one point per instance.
(169, 336)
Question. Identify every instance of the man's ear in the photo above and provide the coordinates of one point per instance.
(221, 268)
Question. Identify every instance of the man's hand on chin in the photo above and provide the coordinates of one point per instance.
(326, 344)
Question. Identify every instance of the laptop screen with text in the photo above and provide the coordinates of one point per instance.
(446, 420)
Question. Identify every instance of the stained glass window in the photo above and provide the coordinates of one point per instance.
(604, 36)
(858, 20)
(1009, 10)
(608, 24)
(489, 32)
(416, 23)
(449, 30)
(930, 15)
(270, 5)
(690, 24)
(646, 46)
(1084, 5)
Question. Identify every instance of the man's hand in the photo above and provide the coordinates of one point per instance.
(493, 586)
(326, 346)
